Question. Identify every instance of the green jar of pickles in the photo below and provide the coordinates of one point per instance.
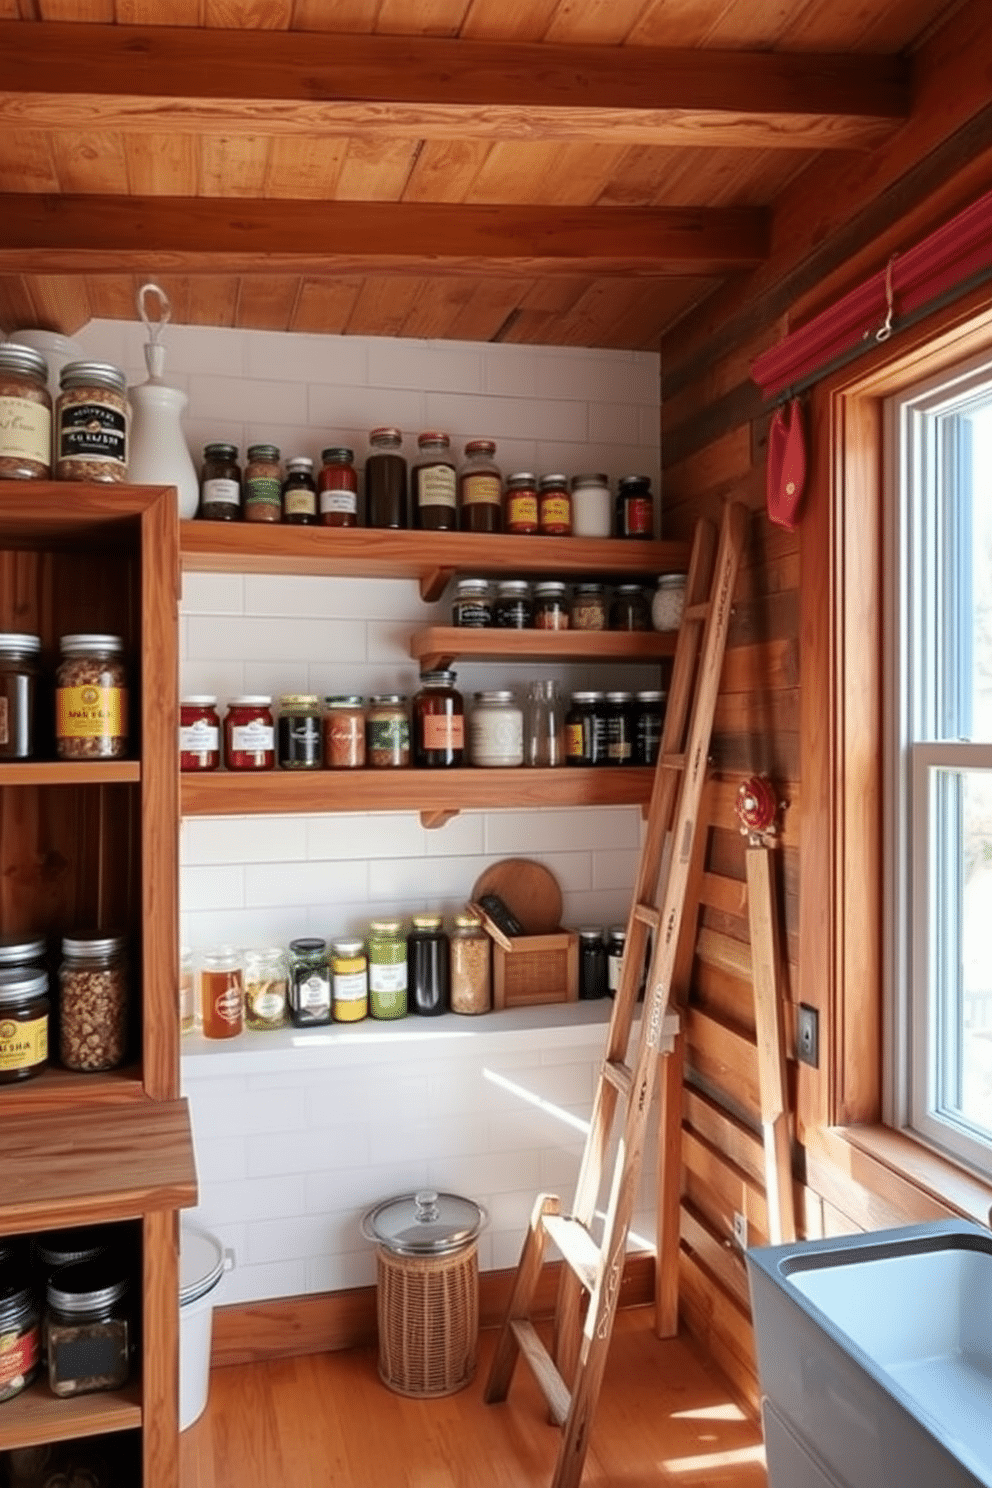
(387, 969)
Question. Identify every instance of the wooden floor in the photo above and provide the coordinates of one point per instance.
(665, 1416)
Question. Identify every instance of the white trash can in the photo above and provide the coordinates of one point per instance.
(202, 1263)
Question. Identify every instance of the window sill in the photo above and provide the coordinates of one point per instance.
(879, 1177)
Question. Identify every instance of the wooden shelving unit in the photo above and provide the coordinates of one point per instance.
(440, 645)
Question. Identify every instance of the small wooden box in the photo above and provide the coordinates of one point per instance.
(533, 969)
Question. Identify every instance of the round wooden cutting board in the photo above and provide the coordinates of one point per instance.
(528, 889)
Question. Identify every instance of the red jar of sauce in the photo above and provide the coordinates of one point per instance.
(199, 732)
(520, 503)
(554, 506)
(249, 733)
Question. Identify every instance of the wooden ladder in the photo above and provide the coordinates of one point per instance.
(570, 1374)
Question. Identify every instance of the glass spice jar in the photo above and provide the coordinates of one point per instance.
(91, 423)
(349, 981)
(20, 1326)
(337, 488)
(25, 414)
(585, 730)
(619, 728)
(309, 982)
(220, 484)
(616, 940)
(668, 602)
(588, 610)
(24, 1010)
(472, 606)
(385, 480)
(199, 732)
(18, 676)
(299, 493)
(387, 732)
(263, 484)
(550, 608)
(266, 978)
(592, 506)
(87, 1327)
(520, 504)
(434, 484)
(91, 698)
(299, 732)
(554, 506)
(514, 607)
(249, 733)
(471, 979)
(496, 731)
(592, 964)
(428, 966)
(438, 722)
(344, 733)
(649, 719)
(635, 507)
(222, 993)
(93, 1002)
(629, 609)
(480, 488)
(387, 969)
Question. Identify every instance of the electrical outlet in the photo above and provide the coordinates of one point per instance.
(808, 1036)
(740, 1230)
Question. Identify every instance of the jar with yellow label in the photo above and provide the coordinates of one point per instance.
(24, 1009)
(91, 698)
(349, 981)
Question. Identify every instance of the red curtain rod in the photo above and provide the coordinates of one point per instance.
(948, 257)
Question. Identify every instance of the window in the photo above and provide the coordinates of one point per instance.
(939, 761)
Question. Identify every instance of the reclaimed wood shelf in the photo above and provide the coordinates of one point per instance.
(36, 1416)
(439, 645)
(432, 558)
(61, 1088)
(71, 772)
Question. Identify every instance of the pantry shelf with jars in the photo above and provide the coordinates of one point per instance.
(440, 645)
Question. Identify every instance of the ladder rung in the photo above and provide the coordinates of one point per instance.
(579, 1250)
(673, 761)
(620, 1076)
(543, 1368)
(647, 914)
(697, 611)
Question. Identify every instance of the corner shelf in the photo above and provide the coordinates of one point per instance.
(71, 772)
(439, 645)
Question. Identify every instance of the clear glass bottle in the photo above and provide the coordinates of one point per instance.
(438, 722)
(266, 989)
(480, 488)
(387, 969)
(349, 981)
(299, 493)
(544, 743)
(222, 993)
(588, 610)
(386, 480)
(309, 982)
(496, 731)
(434, 484)
(471, 977)
(550, 607)
(629, 608)
(93, 1002)
(428, 966)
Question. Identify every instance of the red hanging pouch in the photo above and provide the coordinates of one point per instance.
(786, 474)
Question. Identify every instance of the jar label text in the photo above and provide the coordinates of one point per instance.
(221, 491)
(436, 485)
(444, 731)
(25, 430)
(199, 738)
(92, 431)
(91, 712)
(18, 1355)
(481, 490)
(252, 738)
(23, 1044)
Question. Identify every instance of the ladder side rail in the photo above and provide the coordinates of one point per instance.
(521, 1298)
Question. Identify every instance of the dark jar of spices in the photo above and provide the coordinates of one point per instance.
(520, 504)
(24, 1010)
(472, 606)
(550, 607)
(616, 941)
(87, 1329)
(619, 728)
(635, 507)
(385, 480)
(299, 493)
(249, 733)
(480, 488)
(428, 966)
(344, 733)
(18, 674)
(337, 488)
(20, 1327)
(220, 484)
(649, 719)
(438, 722)
(514, 606)
(629, 609)
(554, 506)
(309, 982)
(263, 484)
(585, 730)
(299, 733)
(387, 732)
(435, 484)
(592, 963)
(199, 732)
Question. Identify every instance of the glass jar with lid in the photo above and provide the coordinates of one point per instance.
(299, 732)
(19, 654)
(349, 980)
(266, 989)
(24, 1010)
(299, 493)
(87, 1327)
(199, 732)
(592, 963)
(514, 607)
(337, 488)
(550, 605)
(263, 484)
(554, 506)
(428, 966)
(309, 982)
(480, 488)
(19, 951)
(649, 719)
(588, 610)
(434, 484)
(616, 941)
(585, 729)
(93, 1002)
(387, 732)
(471, 978)
(619, 728)
(386, 480)
(520, 503)
(668, 602)
(472, 605)
(496, 731)
(344, 732)
(592, 506)
(249, 733)
(220, 484)
(92, 417)
(635, 507)
(91, 698)
(222, 993)
(629, 609)
(20, 1324)
(387, 969)
(438, 725)
(25, 414)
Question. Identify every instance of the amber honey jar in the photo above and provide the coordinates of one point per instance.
(438, 722)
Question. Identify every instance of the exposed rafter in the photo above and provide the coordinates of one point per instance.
(66, 76)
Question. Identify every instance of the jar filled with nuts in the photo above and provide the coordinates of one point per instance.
(91, 698)
(93, 1006)
(91, 423)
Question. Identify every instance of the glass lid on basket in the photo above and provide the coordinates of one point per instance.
(424, 1223)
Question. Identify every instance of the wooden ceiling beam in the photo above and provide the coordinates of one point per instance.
(43, 234)
(56, 75)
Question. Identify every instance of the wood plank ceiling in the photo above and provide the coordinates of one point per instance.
(573, 172)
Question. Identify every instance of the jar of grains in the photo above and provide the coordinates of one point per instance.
(385, 480)
(514, 606)
(87, 1326)
(222, 993)
(668, 601)
(20, 1325)
(309, 982)
(220, 484)
(588, 610)
(199, 732)
(91, 423)
(337, 488)
(263, 484)
(472, 606)
(554, 506)
(249, 733)
(349, 981)
(24, 1009)
(550, 608)
(480, 488)
(344, 733)
(387, 969)
(496, 731)
(18, 673)
(300, 735)
(266, 989)
(25, 414)
(93, 1002)
(91, 698)
(520, 503)
(299, 493)
(438, 726)
(592, 506)
(387, 732)
(434, 487)
(471, 989)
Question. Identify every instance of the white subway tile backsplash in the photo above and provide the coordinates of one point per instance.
(221, 887)
(213, 594)
(364, 407)
(428, 366)
(301, 883)
(251, 403)
(295, 357)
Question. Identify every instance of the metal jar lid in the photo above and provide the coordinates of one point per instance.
(424, 1223)
(70, 645)
(21, 983)
(17, 1303)
(19, 642)
(93, 374)
(20, 950)
(65, 1247)
(87, 1286)
(17, 358)
(98, 945)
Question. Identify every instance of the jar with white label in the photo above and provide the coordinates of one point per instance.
(92, 418)
(220, 484)
(249, 733)
(349, 981)
(222, 993)
(199, 732)
(25, 414)
(496, 730)
(434, 485)
(480, 488)
(387, 969)
(309, 982)
(266, 989)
